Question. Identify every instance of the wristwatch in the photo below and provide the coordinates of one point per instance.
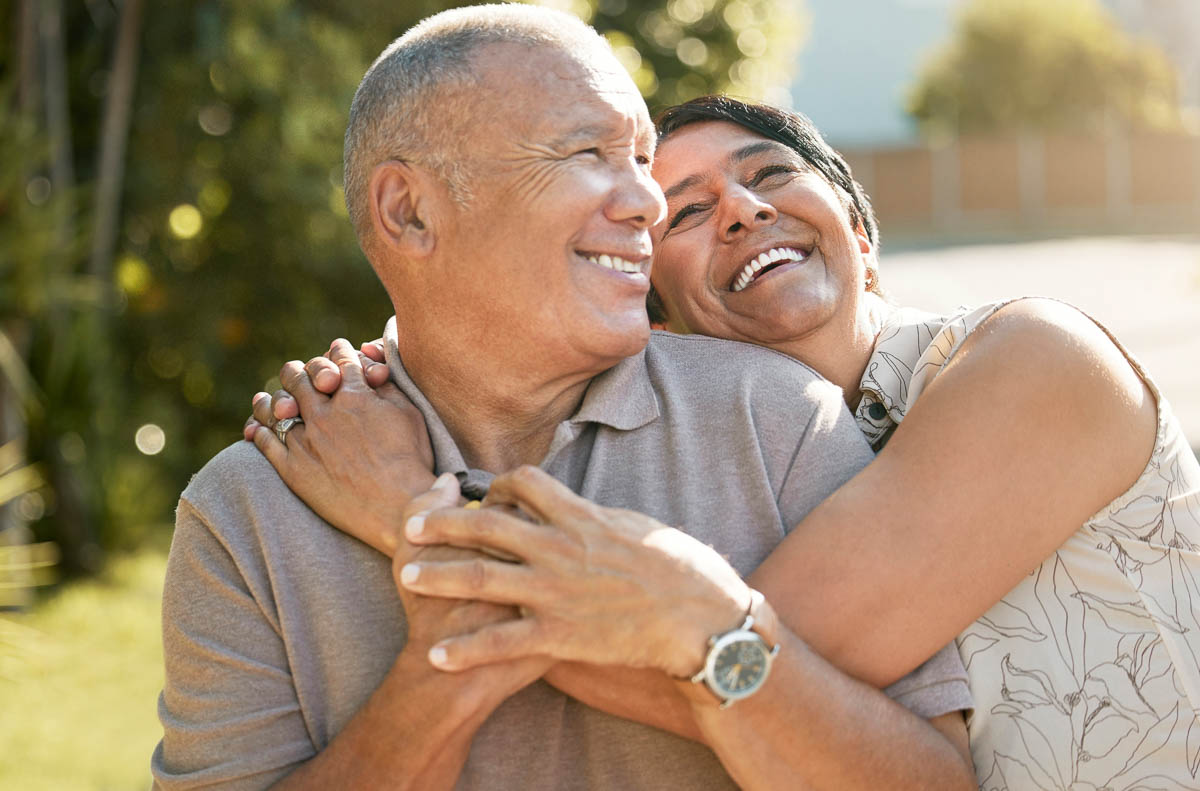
(739, 660)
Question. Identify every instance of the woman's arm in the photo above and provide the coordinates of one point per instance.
(1034, 425)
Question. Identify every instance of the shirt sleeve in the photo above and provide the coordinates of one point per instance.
(937, 687)
(230, 714)
(830, 452)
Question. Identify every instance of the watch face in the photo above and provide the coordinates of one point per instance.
(739, 666)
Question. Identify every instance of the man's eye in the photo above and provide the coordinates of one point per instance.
(585, 151)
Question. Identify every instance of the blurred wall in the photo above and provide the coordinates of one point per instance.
(1035, 184)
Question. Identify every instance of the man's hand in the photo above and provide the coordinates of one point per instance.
(358, 456)
(431, 619)
(596, 584)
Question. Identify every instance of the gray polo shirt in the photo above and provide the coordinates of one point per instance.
(277, 627)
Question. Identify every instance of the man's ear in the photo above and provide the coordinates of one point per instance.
(401, 203)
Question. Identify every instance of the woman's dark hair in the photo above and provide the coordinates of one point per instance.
(793, 130)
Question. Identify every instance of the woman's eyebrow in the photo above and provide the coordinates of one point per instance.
(745, 152)
(683, 186)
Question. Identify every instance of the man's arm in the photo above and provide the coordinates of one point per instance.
(618, 588)
(230, 711)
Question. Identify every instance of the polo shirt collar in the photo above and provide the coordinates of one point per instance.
(621, 398)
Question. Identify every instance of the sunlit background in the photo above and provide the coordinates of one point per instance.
(172, 228)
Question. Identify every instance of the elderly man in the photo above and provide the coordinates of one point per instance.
(497, 176)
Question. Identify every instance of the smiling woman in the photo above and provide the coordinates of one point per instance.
(1018, 436)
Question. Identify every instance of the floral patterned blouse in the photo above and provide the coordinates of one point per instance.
(1087, 674)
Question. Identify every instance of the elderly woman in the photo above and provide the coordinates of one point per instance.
(1033, 496)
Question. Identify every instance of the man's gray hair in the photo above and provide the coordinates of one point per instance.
(405, 108)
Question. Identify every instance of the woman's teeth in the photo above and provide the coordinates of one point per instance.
(763, 260)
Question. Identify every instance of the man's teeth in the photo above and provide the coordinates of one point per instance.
(763, 260)
(615, 262)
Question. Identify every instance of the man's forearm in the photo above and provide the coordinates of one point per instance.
(814, 727)
(414, 732)
(810, 724)
(646, 696)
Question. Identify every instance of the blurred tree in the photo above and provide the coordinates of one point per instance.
(1032, 64)
(172, 225)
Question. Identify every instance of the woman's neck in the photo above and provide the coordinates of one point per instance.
(841, 353)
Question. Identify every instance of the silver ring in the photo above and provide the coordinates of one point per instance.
(286, 425)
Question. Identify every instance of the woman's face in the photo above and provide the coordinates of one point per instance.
(756, 245)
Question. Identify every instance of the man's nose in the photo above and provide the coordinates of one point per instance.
(742, 210)
(638, 198)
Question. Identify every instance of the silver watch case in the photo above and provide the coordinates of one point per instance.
(737, 664)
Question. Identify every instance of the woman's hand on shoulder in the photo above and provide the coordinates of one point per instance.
(361, 452)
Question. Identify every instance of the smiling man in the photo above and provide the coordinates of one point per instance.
(497, 174)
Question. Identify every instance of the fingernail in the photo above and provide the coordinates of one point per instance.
(324, 378)
(444, 480)
(409, 573)
(437, 656)
(415, 525)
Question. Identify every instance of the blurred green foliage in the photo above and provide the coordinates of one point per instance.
(233, 251)
(1032, 64)
(79, 676)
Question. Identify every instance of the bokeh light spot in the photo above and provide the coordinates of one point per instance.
(752, 42)
(691, 52)
(185, 221)
(216, 119)
(38, 190)
(214, 196)
(133, 276)
(150, 439)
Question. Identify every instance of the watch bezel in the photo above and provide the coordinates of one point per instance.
(718, 645)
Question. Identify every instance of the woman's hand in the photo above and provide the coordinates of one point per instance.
(598, 585)
(359, 456)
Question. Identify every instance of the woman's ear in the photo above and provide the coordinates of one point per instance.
(864, 239)
(401, 204)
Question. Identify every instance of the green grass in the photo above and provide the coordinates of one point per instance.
(79, 679)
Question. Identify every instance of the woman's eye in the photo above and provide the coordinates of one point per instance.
(683, 214)
(766, 173)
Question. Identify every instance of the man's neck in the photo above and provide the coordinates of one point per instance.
(500, 415)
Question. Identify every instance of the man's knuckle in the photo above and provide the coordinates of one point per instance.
(526, 474)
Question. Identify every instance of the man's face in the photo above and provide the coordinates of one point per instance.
(553, 249)
(756, 246)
